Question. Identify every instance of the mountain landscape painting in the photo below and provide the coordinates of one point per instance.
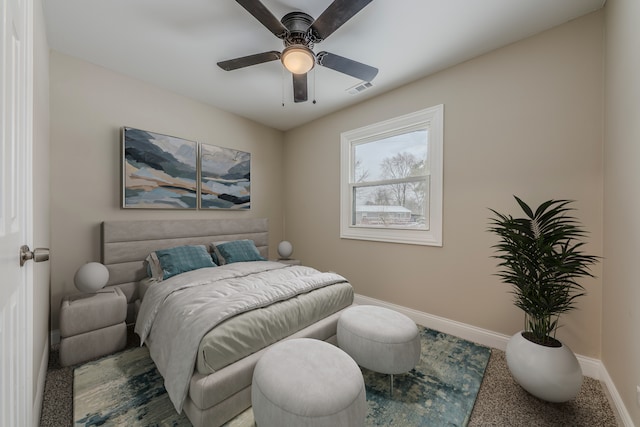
(158, 171)
(225, 178)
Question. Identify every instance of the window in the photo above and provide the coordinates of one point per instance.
(391, 180)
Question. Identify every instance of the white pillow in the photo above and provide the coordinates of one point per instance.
(154, 269)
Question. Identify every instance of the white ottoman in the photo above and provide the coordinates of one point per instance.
(307, 382)
(379, 339)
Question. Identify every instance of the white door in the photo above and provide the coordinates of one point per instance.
(16, 282)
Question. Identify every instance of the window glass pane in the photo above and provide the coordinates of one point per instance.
(399, 205)
(393, 157)
(391, 179)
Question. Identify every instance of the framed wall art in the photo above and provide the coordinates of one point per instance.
(158, 171)
(225, 178)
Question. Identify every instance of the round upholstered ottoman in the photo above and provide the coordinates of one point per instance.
(307, 382)
(379, 339)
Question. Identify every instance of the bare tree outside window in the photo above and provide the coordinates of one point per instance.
(407, 193)
(393, 176)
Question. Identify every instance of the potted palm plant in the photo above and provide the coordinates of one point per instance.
(541, 255)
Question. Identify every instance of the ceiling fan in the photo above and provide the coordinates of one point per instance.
(300, 32)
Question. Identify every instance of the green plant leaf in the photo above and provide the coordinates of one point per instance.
(541, 256)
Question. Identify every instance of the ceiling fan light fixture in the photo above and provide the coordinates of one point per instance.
(298, 59)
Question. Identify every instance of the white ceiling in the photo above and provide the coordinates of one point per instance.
(176, 44)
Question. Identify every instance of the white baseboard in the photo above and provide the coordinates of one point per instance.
(458, 329)
(624, 418)
(591, 367)
(42, 376)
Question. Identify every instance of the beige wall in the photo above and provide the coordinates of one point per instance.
(41, 201)
(89, 105)
(526, 120)
(621, 297)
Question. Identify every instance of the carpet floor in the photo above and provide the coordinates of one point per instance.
(500, 401)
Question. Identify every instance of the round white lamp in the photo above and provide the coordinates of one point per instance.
(91, 277)
(285, 249)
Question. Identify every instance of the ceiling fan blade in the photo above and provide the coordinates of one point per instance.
(299, 87)
(246, 61)
(266, 18)
(338, 12)
(347, 66)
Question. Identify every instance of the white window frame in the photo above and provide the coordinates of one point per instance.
(431, 119)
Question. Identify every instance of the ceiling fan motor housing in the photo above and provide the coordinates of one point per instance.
(298, 24)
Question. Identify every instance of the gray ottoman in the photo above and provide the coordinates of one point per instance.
(307, 382)
(379, 339)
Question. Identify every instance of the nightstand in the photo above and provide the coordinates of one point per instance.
(289, 261)
(92, 325)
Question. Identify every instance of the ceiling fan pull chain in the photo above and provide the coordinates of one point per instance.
(314, 87)
(282, 86)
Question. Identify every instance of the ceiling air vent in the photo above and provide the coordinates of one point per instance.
(360, 87)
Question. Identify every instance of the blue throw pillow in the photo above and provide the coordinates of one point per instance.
(183, 258)
(237, 251)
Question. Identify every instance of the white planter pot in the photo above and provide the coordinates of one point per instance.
(549, 373)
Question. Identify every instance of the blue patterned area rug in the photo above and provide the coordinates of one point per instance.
(126, 389)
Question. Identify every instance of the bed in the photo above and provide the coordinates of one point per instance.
(209, 385)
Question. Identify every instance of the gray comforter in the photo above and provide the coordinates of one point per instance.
(176, 313)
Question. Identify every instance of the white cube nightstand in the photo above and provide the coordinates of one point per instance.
(92, 325)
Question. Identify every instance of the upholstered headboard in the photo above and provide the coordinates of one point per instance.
(125, 244)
